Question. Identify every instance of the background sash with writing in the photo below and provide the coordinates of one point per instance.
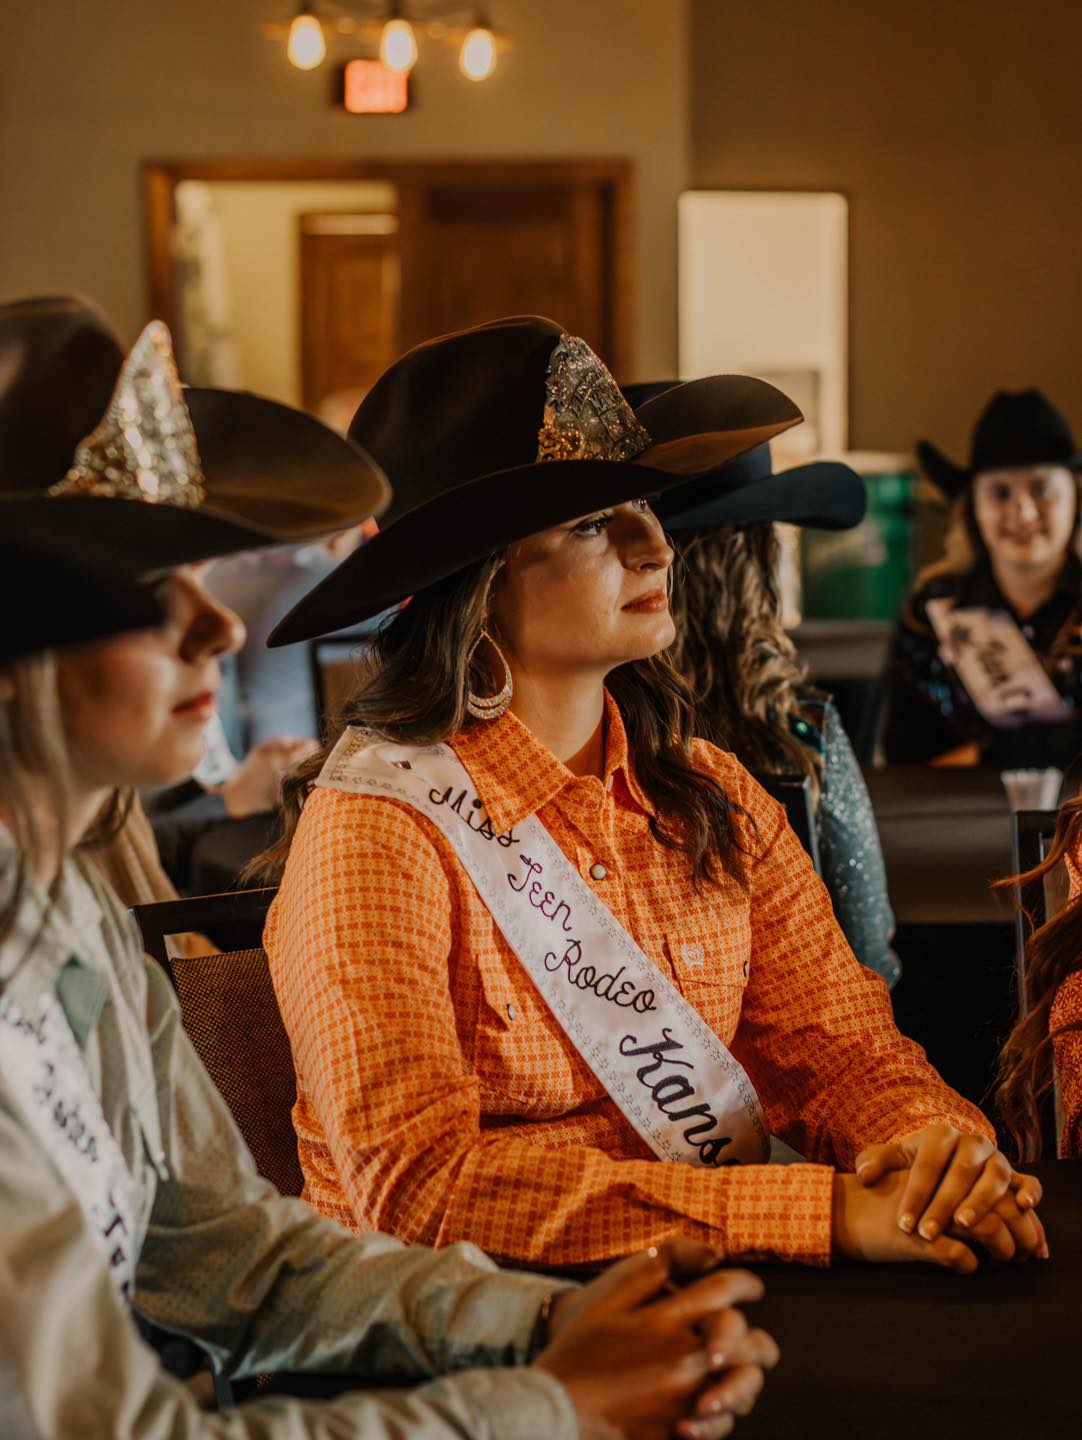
(996, 663)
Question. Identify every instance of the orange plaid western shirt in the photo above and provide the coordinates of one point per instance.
(1067, 1010)
(439, 1099)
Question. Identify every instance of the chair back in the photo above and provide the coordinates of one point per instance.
(336, 668)
(231, 1016)
(795, 793)
(1031, 839)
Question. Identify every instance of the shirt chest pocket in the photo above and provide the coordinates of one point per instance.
(711, 971)
(523, 1059)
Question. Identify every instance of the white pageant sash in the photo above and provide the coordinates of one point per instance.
(996, 663)
(44, 1068)
(671, 1076)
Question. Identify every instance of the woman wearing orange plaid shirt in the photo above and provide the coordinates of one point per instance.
(439, 1097)
(1045, 1046)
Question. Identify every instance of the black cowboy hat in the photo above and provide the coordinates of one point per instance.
(823, 494)
(56, 595)
(1016, 429)
(494, 433)
(89, 436)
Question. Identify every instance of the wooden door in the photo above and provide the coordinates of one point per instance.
(486, 241)
(475, 240)
(349, 282)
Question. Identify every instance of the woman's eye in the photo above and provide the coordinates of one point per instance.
(594, 525)
(1001, 494)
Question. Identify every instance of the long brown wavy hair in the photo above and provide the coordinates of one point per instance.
(413, 689)
(1053, 951)
(732, 649)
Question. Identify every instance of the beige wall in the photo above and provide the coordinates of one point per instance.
(91, 88)
(955, 129)
(261, 240)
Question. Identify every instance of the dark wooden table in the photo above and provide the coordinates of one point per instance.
(914, 1353)
(946, 835)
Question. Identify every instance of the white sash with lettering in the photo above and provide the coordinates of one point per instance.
(671, 1076)
(43, 1066)
(996, 663)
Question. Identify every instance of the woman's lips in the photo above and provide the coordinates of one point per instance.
(199, 707)
(649, 604)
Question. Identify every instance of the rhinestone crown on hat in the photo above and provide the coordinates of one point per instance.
(586, 416)
(144, 448)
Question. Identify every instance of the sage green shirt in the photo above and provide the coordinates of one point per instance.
(260, 1281)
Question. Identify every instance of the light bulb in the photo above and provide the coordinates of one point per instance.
(306, 48)
(477, 58)
(398, 46)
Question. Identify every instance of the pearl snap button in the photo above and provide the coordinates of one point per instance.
(510, 1012)
(598, 872)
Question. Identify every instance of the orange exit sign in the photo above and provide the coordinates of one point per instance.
(369, 88)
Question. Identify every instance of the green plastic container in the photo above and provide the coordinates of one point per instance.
(861, 574)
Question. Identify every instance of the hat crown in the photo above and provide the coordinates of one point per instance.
(1019, 428)
(59, 360)
(481, 400)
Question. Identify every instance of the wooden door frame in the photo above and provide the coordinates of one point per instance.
(161, 177)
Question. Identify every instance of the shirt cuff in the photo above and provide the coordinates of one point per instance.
(971, 1123)
(779, 1212)
(497, 1323)
(524, 1404)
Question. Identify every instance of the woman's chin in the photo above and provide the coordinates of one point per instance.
(663, 634)
(174, 768)
(1033, 555)
(653, 640)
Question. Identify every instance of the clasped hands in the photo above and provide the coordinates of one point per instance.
(938, 1195)
(654, 1349)
(643, 1360)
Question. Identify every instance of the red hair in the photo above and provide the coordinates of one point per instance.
(1053, 952)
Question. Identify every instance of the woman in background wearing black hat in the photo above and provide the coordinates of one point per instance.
(532, 936)
(122, 1176)
(986, 663)
(750, 688)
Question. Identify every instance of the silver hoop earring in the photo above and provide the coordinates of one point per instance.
(489, 707)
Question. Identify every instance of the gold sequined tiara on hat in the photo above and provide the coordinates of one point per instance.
(144, 448)
(586, 416)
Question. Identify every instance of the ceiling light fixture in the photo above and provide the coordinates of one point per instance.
(306, 46)
(392, 29)
(398, 43)
(477, 58)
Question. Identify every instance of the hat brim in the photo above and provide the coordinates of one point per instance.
(53, 596)
(280, 470)
(945, 475)
(274, 476)
(435, 540)
(138, 538)
(683, 422)
(951, 479)
(822, 495)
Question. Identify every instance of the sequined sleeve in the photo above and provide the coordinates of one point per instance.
(851, 855)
